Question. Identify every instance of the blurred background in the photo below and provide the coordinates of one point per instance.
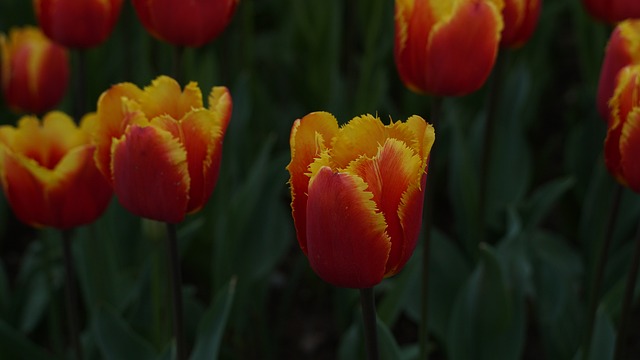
(521, 293)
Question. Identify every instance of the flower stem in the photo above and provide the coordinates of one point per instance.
(436, 104)
(176, 291)
(628, 297)
(492, 110)
(370, 327)
(602, 261)
(71, 295)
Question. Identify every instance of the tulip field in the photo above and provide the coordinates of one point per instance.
(320, 179)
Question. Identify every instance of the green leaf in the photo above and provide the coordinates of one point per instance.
(115, 338)
(541, 202)
(211, 328)
(352, 342)
(14, 345)
(604, 338)
(487, 322)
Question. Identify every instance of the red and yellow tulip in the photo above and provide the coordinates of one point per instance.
(622, 145)
(622, 50)
(357, 194)
(159, 147)
(187, 23)
(446, 47)
(612, 11)
(77, 23)
(35, 71)
(48, 174)
(520, 19)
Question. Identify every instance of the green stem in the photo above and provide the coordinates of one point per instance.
(628, 299)
(600, 266)
(80, 85)
(176, 291)
(494, 101)
(436, 105)
(71, 294)
(367, 300)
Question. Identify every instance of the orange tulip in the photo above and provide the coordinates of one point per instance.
(612, 11)
(622, 50)
(520, 19)
(77, 23)
(357, 193)
(188, 23)
(446, 47)
(35, 71)
(622, 145)
(48, 173)
(159, 148)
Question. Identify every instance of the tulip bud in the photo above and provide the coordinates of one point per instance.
(77, 24)
(520, 19)
(48, 174)
(622, 50)
(187, 23)
(35, 71)
(622, 145)
(445, 47)
(357, 194)
(159, 147)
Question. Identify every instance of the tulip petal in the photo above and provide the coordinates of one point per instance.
(23, 189)
(388, 176)
(164, 97)
(346, 239)
(473, 32)
(221, 104)
(76, 202)
(630, 150)
(112, 121)
(360, 137)
(151, 178)
(309, 137)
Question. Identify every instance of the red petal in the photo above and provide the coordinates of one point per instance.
(25, 193)
(388, 176)
(630, 150)
(473, 32)
(309, 136)
(346, 240)
(150, 176)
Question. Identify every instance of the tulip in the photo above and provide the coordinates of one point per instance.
(159, 148)
(35, 71)
(622, 144)
(357, 194)
(520, 19)
(612, 11)
(48, 174)
(77, 24)
(445, 47)
(623, 49)
(186, 23)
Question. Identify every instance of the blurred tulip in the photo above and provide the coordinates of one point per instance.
(520, 20)
(48, 173)
(622, 145)
(612, 11)
(623, 49)
(185, 22)
(77, 23)
(159, 147)
(446, 47)
(35, 71)
(357, 194)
